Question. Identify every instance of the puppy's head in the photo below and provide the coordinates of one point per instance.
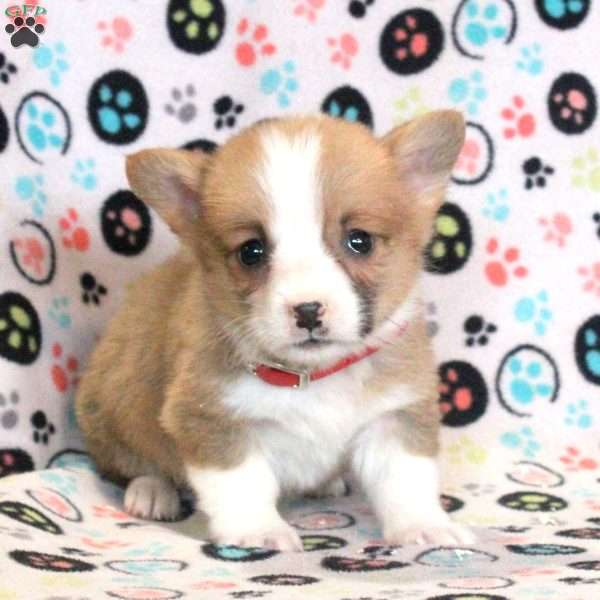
(309, 231)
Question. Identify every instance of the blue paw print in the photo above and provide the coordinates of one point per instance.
(525, 385)
(469, 91)
(559, 8)
(482, 23)
(39, 128)
(83, 174)
(524, 439)
(531, 61)
(350, 113)
(59, 312)
(534, 309)
(578, 416)
(592, 355)
(31, 190)
(61, 481)
(153, 549)
(110, 120)
(53, 59)
(496, 206)
(281, 82)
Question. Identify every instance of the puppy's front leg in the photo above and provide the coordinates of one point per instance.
(400, 477)
(241, 505)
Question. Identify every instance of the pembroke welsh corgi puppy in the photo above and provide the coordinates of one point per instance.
(285, 342)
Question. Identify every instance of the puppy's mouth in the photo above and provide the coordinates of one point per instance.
(312, 342)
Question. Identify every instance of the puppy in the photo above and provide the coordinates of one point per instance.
(284, 343)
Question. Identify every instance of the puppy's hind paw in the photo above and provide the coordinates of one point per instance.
(151, 497)
(445, 534)
(280, 536)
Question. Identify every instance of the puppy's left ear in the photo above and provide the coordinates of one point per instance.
(425, 150)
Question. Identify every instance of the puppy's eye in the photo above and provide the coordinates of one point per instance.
(359, 242)
(252, 253)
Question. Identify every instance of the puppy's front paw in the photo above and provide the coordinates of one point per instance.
(152, 497)
(276, 536)
(446, 533)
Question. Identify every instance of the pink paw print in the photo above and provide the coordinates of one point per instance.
(557, 228)
(74, 236)
(246, 52)
(519, 123)
(64, 375)
(309, 9)
(498, 270)
(344, 49)
(592, 278)
(117, 34)
(33, 253)
(573, 461)
(468, 157)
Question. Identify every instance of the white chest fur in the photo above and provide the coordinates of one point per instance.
(304, 434)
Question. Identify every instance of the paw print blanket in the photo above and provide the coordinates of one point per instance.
(512, 279)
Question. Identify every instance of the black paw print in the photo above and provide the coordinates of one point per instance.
(6, 69)
(358, 8)
(92, 290)
(20, 32)
(596, 219)
(42, 428)
(226, 110)
(477, 330)
(535, 172)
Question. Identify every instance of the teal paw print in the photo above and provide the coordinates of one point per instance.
(281, 82)
(31, 189)
(61, 481)
(527, 382)
(468, 91)
(83, 174)
(496, 206)
(578, 415)
(534, 310)
(59, 312)
(153, 549)
(524, 440)
(52, 58)
(482, 23)
(110, 120)
(39, 129)
(350, 113)
(559, 8)
(531, 61)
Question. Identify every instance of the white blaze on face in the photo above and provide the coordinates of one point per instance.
(302, 270)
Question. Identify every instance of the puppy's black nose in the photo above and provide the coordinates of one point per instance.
(307, 315)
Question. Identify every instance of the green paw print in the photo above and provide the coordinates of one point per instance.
(20, 332)
(533, 502)
(465, 450)
(196, 26)
(410, 105)
(586, 171)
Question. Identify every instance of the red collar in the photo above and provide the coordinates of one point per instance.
(282, 376)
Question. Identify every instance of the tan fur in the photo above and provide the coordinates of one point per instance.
(149, 400)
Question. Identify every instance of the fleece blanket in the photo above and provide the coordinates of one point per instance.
(512, 276)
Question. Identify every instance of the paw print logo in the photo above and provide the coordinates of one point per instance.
(534, 309)
(587, 349)
(532, 502)
(64, 370)
(182, 107)
(43, 430)
(348, 103)
(586, 171)
(476, 158)
(496, 206)
(196, 26)
(59, 312)
(20, 329)
(308, 9)
(478, 331)
(432, 323)
(466, 451)
(463, 394)
(572, 103)
(9, 415)
(536, 172)
(280, 82)
(562, 14)
(523, 440)
(24, 32)
(226, 111)
(573, 460)
(410, 105)
(53, 59)
(530, 60)
(518, 122)
(344, 49)
(498, 271)
(483, 23)
(83, 174)
(74, 235)
(253, 43)
(469, 91)
(116, 35)
(92, 290)
(527, 379)
(33, 253)
(557, 228)
(7, 69)
(578, 415)
(411, 41)
(591, 277)
(358, 8)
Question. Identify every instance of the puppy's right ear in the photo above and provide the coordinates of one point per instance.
(170, 181)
